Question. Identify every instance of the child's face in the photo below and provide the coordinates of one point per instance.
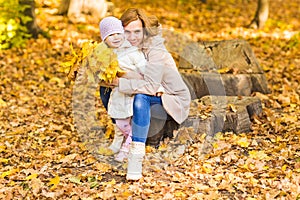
(115, 40)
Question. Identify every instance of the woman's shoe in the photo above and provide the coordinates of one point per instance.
(135, 161)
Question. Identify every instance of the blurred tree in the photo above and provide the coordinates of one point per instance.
(29, 11)
(75, 8)
(63, 7)
(261, 15)
(17, 23)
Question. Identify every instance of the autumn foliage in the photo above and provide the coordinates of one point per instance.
(98, 61)
(42, 156)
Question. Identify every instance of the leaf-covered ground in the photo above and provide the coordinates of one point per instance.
(42, 156)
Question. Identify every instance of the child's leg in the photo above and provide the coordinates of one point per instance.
(128, 140)
(125, 127)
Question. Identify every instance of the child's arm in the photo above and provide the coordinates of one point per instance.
(132, 75)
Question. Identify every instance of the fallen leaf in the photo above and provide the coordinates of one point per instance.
(75, 179)
(53, 183)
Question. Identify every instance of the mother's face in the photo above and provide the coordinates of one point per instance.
(134, 32)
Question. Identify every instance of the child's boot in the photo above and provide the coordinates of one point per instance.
(117, 141)
(123, 153)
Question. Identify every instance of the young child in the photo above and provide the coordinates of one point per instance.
(120, 106)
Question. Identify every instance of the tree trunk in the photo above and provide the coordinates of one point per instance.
(75, 8)
(261, 15)
(63, 7)
(32, 25)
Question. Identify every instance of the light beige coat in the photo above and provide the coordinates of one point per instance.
(161, 70)
(130, 58)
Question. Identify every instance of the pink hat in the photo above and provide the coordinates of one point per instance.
(110, 25)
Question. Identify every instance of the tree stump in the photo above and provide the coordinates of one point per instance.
(226, 67)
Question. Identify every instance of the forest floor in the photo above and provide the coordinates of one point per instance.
(42, 156)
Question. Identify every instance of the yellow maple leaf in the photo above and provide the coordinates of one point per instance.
(232, 108)
(224, 70)
(105, 151)
(4, 160)
(163, 147)
(179, 194)
(2, 103)
(149, 149)
(97, 59)
(75, 179)
(258, 155)
(103, 167)
(207, 168)
(283, 168)
(32, 176)
(54, 182)
(126, 193)
(9, 172)
(109, 131)
(243, 142)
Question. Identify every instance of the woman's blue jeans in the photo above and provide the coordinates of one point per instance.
(146, 107)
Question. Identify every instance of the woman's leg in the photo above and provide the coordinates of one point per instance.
(140, 126)
(143, 105)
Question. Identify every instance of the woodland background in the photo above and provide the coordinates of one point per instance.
(43, 157)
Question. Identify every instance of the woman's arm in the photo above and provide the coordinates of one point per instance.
(153, 74)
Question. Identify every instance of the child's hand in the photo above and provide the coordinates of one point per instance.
(115, 82)
(105, 84)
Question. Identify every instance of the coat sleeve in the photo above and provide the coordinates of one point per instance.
(153, 73)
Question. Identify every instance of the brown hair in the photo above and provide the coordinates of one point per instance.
(150, 23)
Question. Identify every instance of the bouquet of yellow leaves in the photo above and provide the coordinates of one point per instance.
(97, 59)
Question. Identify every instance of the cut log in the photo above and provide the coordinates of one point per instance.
(229, 113)
(210, 115)
(222, 68)
(214, 55)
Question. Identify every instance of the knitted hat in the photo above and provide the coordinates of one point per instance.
(110, 25)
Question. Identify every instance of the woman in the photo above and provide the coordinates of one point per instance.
(174, 101)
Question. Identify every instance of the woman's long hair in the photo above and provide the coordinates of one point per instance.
(150, 23)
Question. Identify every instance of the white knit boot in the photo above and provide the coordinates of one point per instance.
(135, 160)
(117, 141)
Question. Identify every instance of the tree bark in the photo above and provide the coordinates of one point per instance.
(261, 15)
(63, 7)
(75, 9)
(32, 25)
